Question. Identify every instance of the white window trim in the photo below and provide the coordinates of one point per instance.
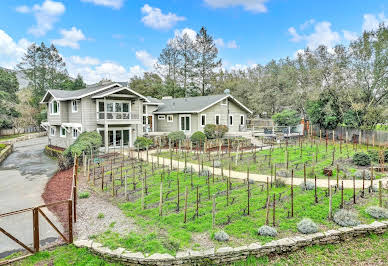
(72, 106)
(60, 132)
(72, 133)
(243, 120)
(215, 119)
(203, 115)
(51, 107)
(231, 124)
(161, 117)
(51, 132)
(172, 118)
(180, 124)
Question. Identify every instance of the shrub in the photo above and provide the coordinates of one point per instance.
(307, 226)
(210, 131)
(374, 155)
(279, 182)
(346, 218)
(83, 195)
(100, 215)
(361, 159)
(215, 131)
(286, 118)
(359, 174)
(377, 212)
(176, 136)
(198, 137)
(266, 230)
(221, 236)
(143, 143)
(308, 186)
(84, 143)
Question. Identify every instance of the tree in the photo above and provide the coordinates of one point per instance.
(287, 118)
(207, 60)
(151, 84)
(187, 52)
(9, 85)
(27, 112)
(72, 85)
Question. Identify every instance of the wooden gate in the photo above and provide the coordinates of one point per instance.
(36, 212)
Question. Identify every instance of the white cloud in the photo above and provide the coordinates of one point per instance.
(93, 70)
(232, 44)
(219, 42)
(115, 4)
(306, 24)
(70, 38)
(322, 35)
(349, 35)
(371, 21)
(45, 15)
(146, 59)
(154, 18)
(11, 51)
(256, 6)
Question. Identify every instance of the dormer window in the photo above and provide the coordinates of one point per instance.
(54, 107)
(74, 106)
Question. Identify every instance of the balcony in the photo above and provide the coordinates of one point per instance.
(118, 118)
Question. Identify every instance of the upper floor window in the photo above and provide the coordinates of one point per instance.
(54, 107)
(74, 106)
(242, 120)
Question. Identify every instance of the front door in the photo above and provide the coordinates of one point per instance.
(185, 123)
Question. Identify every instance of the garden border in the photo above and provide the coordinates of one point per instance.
(4, 153)
(227, 254)
(25, 137)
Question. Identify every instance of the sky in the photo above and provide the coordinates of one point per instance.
(118, 39)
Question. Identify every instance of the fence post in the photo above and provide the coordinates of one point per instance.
(75, 203)
(70, 220)
(35, 219)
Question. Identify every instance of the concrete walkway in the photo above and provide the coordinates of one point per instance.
(323, 183)
(23, 177)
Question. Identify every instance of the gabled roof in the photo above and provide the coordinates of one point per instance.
(193, 104)
(63, 95)
(113, 90)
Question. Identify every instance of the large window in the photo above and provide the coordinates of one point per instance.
(185, 122)
(114, 110)
(217, 119)
(54, 107)
(170, 118)
(203, 120)
(52, 131)
(74, 106)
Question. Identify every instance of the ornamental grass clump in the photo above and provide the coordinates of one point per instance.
(377, 212)
(307, 226)
(346, 218)
(221, 236)
(307, 186)
(266, 230)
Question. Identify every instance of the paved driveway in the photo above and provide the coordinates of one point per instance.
(23, 176)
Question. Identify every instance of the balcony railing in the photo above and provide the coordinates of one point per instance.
(117, 116)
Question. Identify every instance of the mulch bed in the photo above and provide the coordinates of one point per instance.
(56, 148)
(59, 188)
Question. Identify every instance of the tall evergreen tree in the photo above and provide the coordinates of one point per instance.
(187, 52)
(207, 60)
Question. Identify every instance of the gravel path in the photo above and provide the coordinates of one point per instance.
(88, 210)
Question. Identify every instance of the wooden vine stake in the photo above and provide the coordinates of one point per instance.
(330, 204)
(354, 189)
(371, 178)
(315, 189)
(248, 192)
(161, 199)
(196, 211)
(274, 211)
(342, 194)
(186, 196)
(381, 193)
(292, 193)
(267, 212)
(214, 212)
(142, 195)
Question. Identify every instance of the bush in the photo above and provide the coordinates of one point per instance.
(84, 143)
(83, 195)
(286, 118)
(377, 212)
(346, 218)
(307, 226)
(361, 159)
(143, 143)
(374, 155)
(198, 137)
(215, 131)
(176, 136)
(221, 236)
(308, 186)
(266, 230)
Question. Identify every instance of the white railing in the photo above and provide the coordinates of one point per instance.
(117, 116)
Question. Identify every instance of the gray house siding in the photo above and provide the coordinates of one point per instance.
(88, 114)
(164, 126)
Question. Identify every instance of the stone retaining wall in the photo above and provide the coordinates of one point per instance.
(25, 137)
(226, 255)
(5, 152)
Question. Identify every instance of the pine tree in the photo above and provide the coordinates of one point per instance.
(207, 60)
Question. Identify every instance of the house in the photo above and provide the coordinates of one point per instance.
(120, 114)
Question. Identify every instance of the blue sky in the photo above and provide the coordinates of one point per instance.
(117, 39)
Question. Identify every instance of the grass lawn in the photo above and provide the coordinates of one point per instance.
(8, 137)
(2, 146)
(168, 233)
(314, 155)
(371, 250)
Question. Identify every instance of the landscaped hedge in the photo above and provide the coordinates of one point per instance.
(215, 131)
(198, 137)
(83, 144)
(53, 152)
(176, 136)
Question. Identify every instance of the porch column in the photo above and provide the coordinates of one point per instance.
(105, 129)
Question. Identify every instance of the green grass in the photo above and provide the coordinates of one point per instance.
(2, 146)
(84, 195)
(100, 216)
(169, 233)
(297, 157)
(9, 137)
